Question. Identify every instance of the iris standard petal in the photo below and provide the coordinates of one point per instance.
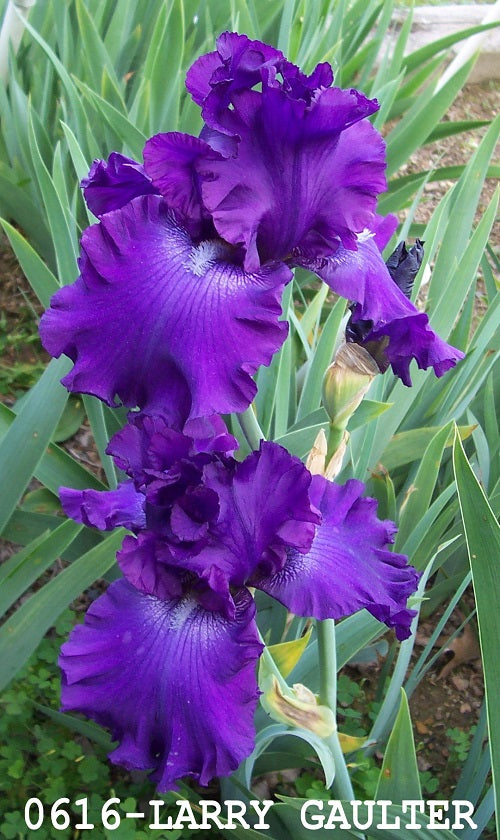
(264, 510)
(362, 276)
(304, 177)
(169, 161)
(174, 682)
(163, 324)
(147, 447)
(114, 182)
(237, 64)
(348, 566)
(105, 509)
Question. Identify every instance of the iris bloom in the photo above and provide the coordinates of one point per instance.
(167, 656)
(178, 297)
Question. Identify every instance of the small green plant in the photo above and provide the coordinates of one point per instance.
(460, 741)
(352, 700)
(21, 351)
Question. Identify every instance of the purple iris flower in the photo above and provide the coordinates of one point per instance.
(178, 298)
(166, 657)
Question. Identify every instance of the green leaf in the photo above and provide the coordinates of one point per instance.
(300, 439)
(409, 446)
(25, 442)
(71, 420)
(56, 466)
(20, 635)
(418, 57)
(287, 654)
(40, 278)
(415, 127)
(310, 318)
(267, 736)
(451, 127)
(464, 200)
(41, 500)
(58, 216)
(419, 491)
(97, 414)
(311, 394)
(399, 777)
(164, 60)
(23, 569)
(131, 137)
(482, 535)
(382, 488)
(465, 275)
(367, 411)
(82, 727)
(95, 52)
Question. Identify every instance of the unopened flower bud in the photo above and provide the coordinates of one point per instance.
(346, 382)
(298, 707)
(335, 463)
(403, 265)
(316, 459)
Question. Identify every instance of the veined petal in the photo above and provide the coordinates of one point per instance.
(111, 184)
(305, 177)
(169, 161)
(347, 567)
(237, 64)
(105, 509)
(362, 276)
(174, 682)
(144, 562)
(147, 445)
(163, 324)
(265, 510)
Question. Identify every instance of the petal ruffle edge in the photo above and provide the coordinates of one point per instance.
(161, 323)
(174, 682)
(348, 567)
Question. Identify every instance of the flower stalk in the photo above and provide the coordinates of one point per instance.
(250, 428)
(327, 655)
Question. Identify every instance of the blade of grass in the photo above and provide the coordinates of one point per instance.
(20, 635)
(27, 438)
(482, 535)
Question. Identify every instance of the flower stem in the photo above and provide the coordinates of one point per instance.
(250, 428)
(335, 437)
(327, 652)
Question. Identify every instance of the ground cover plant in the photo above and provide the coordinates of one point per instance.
(91, 79)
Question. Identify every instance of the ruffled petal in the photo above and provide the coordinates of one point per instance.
(362, 276)
(169, 161)
(304, 177)
(105, 509)
(160, 323)
(148, 446)
(144, 562)
(299, 85)
(348, 566)
(111, 184)
(174, 682)
(237, 64)
(265, 511)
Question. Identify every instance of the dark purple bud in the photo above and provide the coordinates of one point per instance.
(403, 266)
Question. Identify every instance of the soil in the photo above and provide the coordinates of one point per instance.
(444, 699)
